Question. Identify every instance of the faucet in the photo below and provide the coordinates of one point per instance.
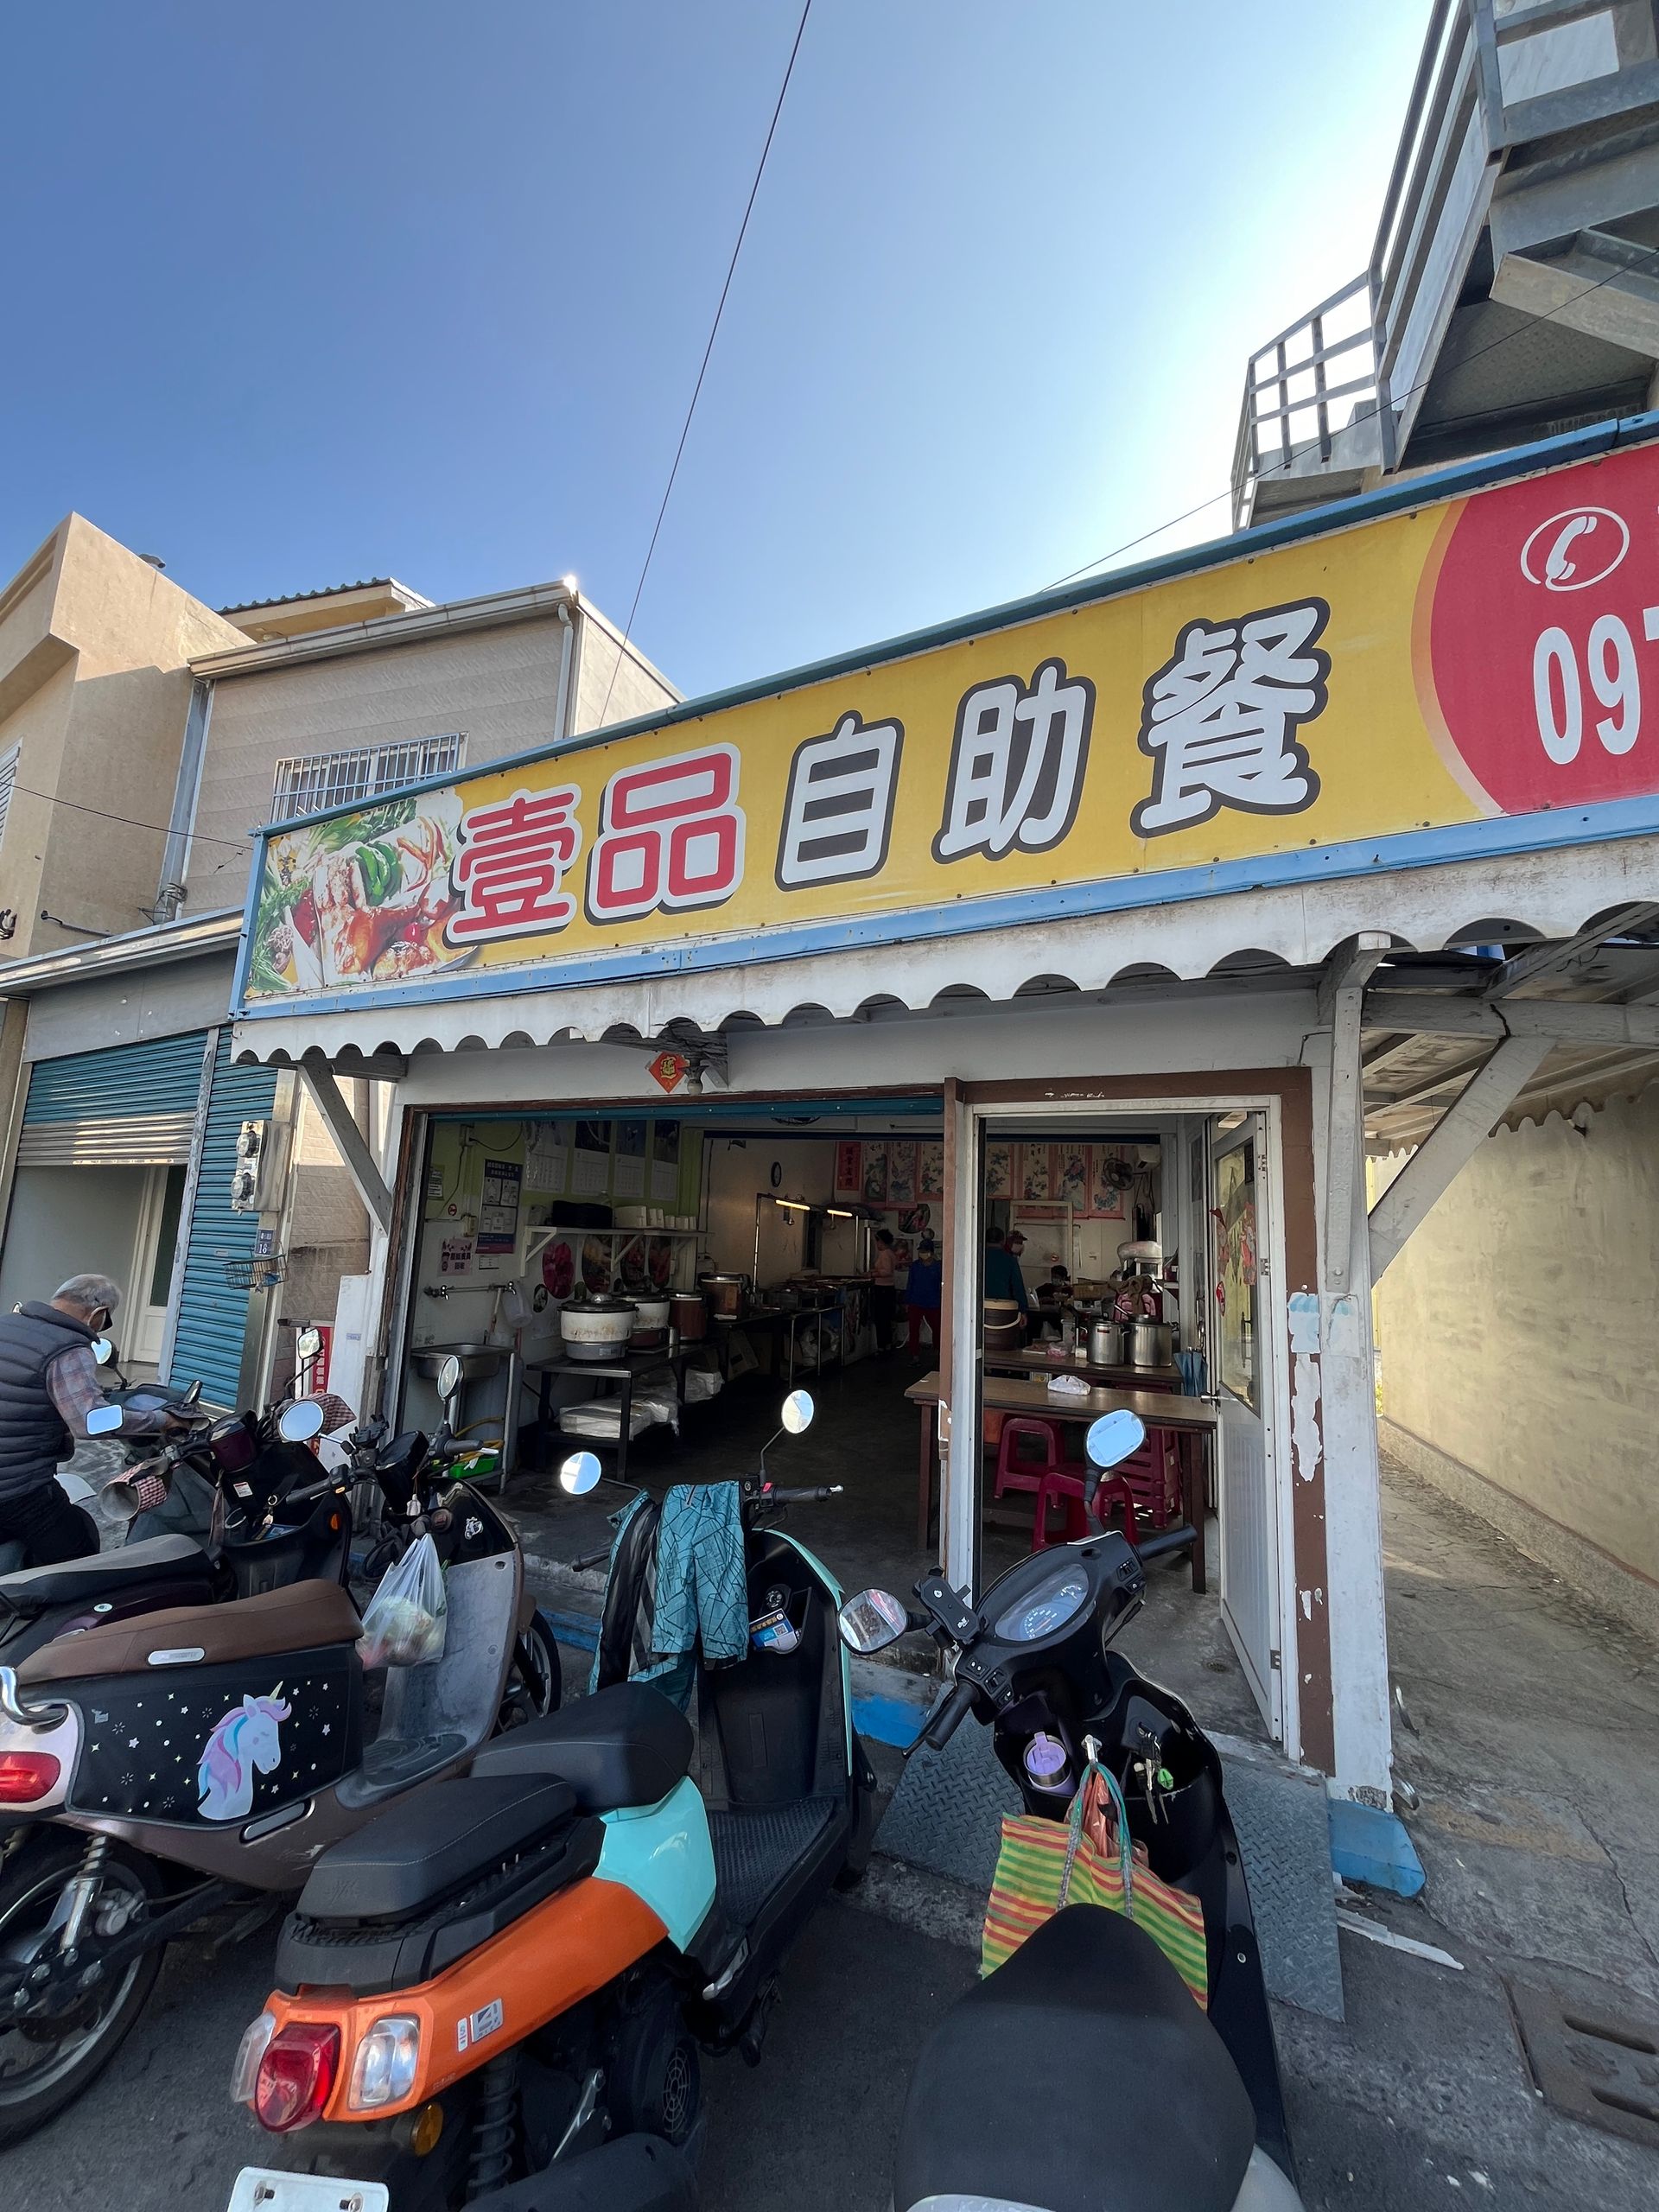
(434, 1290)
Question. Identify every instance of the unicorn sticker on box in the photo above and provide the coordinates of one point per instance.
(243, 1741)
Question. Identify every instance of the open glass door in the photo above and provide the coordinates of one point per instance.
(1241, 1381)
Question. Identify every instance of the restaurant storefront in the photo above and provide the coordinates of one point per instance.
(1106, 890)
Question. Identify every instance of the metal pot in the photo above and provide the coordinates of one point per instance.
(650, 1323)
(1004, 1325)
(598, 1327)
(1106, 1345)
(1149, 1343)
(689, 1316)
(725, 1294)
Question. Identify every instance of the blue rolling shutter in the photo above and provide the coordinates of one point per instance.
(132, 1105)
(213, 1317)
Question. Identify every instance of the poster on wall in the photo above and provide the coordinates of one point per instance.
(498, 1211)
(1071, 1187)
(929, 1168)
(998, 1171)
(874, 1189)
(1033, 1170)
(456, 1256)
(1111, 1176)
(545, 1157)
(901, 1173)
(849, 1171)
(1235, 1269)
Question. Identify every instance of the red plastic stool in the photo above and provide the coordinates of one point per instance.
(1026, 1471)
(1067, 1490)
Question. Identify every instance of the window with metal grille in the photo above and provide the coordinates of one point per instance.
(8, 778)
(314, 781)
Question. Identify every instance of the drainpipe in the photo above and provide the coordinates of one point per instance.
(176, 853)
(561, 707)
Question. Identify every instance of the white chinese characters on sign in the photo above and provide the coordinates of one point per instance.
(1016, 765)
(670, 836)
(510, 864)
(1221, 719)
(838, 812)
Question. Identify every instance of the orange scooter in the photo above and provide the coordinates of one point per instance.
(520, 1962)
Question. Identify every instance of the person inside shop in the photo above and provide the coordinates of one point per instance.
(884, 1289)
(923, 1295)
(1002, 1275)
(1053, 1293)
(49, 1385)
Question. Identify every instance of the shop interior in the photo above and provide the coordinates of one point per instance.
(649, 1287)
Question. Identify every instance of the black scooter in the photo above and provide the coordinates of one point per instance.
(1184, 2113)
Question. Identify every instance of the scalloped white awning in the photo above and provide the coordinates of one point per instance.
(1545, 894)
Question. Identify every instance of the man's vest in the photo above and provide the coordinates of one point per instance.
(33, 1436)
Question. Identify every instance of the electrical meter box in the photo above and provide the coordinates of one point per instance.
(254, 1180)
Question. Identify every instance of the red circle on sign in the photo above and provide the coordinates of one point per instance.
(1543, 662)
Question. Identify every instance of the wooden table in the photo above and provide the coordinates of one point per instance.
(1034, 1360)
(1021, 1393)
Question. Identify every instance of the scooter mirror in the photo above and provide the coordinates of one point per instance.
(307, 1345)
(103, 1421)
(449, 1378)
(1114, 1436)
(872, 1620)
(797, 1412)
(300, 1422)
(580, 1473)
(103, 1350)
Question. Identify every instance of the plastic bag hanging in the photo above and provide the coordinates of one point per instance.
(407, 1616)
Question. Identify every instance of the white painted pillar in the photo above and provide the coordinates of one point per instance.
(1353, 1595)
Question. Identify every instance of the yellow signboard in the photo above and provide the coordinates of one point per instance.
(1484, 657)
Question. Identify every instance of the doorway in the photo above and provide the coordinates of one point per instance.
(1160, 1209)
(156, 1254)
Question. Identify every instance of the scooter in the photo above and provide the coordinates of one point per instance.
(209, 1754)
(522, 1960)
(1182, 2106)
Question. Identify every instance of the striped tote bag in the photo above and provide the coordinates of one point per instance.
(1089, 1858)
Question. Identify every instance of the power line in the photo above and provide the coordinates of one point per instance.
(713, 331)
(161, 828)
(1449, 422)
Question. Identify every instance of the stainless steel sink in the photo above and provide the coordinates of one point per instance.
(476, 1360)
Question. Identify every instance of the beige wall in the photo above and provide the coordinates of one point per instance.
(638, 689)
(740, 1168)
(1516, 1329)
(94, 687)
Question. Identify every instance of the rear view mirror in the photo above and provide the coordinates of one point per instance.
(103, 1349)
(580, 1473)
(103, 1421)
(797, 1412)
(307, 1345)
(300, 1422)
(1114, 1436)
(872, 1620)
(449, 1377)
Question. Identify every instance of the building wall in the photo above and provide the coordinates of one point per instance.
(607, 692)
(94, 687)
(1517, 1327)
(739, 1167)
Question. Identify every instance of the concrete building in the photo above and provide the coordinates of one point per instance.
(143, 738)
(1512, 292)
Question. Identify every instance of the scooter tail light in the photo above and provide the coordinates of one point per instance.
(244, 2075)
(296, 2076)
(388, 2060)
(27, 1776)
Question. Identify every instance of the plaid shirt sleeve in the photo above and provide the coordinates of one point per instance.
(73, 1382)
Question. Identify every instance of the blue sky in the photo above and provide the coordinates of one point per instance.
(335, 291)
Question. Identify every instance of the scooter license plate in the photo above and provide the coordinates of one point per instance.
(258, 2191)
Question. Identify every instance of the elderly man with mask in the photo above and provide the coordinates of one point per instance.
(49, 1385)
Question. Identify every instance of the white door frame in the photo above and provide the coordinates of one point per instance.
(148, 1338)
(960, 1471)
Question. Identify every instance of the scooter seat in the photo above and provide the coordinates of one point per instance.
(103, 1575)
(1089, 1991)
(625, 1745)
(299, 1618)
(433, 1843)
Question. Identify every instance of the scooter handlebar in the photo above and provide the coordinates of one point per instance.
(799, 1496)
(951, 1708)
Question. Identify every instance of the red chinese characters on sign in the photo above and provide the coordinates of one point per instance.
(511, 865)
(1543, 639)
(670, 836)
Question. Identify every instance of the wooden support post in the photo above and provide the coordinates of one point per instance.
(353, 1147)
(1451, 1144)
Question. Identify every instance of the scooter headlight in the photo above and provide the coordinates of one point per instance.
(387, 2059)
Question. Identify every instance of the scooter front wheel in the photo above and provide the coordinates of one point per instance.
(535, 1683)
(47, 2059)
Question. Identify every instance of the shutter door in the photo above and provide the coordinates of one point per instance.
(134, 1106)
(212, 1319)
